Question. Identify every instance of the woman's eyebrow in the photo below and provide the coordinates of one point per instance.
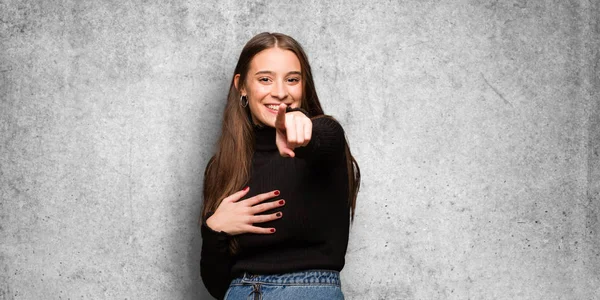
(271, 72)
(264, 72)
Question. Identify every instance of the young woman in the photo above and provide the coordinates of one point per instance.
(281, 189)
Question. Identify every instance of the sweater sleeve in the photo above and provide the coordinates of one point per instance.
(215, 261)
(327, 141)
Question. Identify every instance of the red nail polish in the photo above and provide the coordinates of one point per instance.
(281, 202)
(278, 214)
(246, 188)
(276, 193)
(272, 229)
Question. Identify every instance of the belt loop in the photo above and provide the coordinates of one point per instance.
(256, 291)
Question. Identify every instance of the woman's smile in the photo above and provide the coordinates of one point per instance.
(273, 108)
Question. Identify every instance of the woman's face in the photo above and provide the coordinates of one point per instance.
(274, 77)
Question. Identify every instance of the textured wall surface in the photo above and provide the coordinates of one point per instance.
(476, 125)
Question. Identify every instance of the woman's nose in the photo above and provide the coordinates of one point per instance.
(279, 91)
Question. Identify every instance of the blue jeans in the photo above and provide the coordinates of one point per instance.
(310, 284)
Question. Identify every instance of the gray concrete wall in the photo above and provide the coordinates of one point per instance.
(476, 125)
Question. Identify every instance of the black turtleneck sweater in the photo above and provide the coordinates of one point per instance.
(313, 231)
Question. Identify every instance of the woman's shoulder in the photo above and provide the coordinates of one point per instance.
(327, 123)
(327, 140)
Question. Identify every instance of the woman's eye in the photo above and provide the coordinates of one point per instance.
(294, 79)
(263, 79)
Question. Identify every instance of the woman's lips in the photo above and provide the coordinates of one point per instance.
(272, 110)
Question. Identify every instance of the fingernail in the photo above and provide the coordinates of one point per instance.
(272, 229)
(276, 193)
(281, 202)
(246, 188)
(278, 214)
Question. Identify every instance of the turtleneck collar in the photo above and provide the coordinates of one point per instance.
(264, 138)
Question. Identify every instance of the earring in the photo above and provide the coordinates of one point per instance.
(244, 101)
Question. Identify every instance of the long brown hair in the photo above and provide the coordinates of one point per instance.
(228, 171)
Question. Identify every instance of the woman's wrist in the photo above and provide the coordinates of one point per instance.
(212, 225)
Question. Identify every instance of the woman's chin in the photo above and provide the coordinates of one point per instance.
(265, 119)
(270, 121)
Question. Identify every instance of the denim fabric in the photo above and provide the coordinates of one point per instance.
(310, 284)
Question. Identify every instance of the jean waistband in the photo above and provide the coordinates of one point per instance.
(316, 277)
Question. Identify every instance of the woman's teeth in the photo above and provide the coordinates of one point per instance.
(273, 107)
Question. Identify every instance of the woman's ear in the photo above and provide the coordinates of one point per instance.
(236, 83)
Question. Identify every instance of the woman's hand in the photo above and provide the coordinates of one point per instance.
(236, 217)
(293, 130)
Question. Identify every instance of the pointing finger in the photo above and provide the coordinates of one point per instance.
(280, 120)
